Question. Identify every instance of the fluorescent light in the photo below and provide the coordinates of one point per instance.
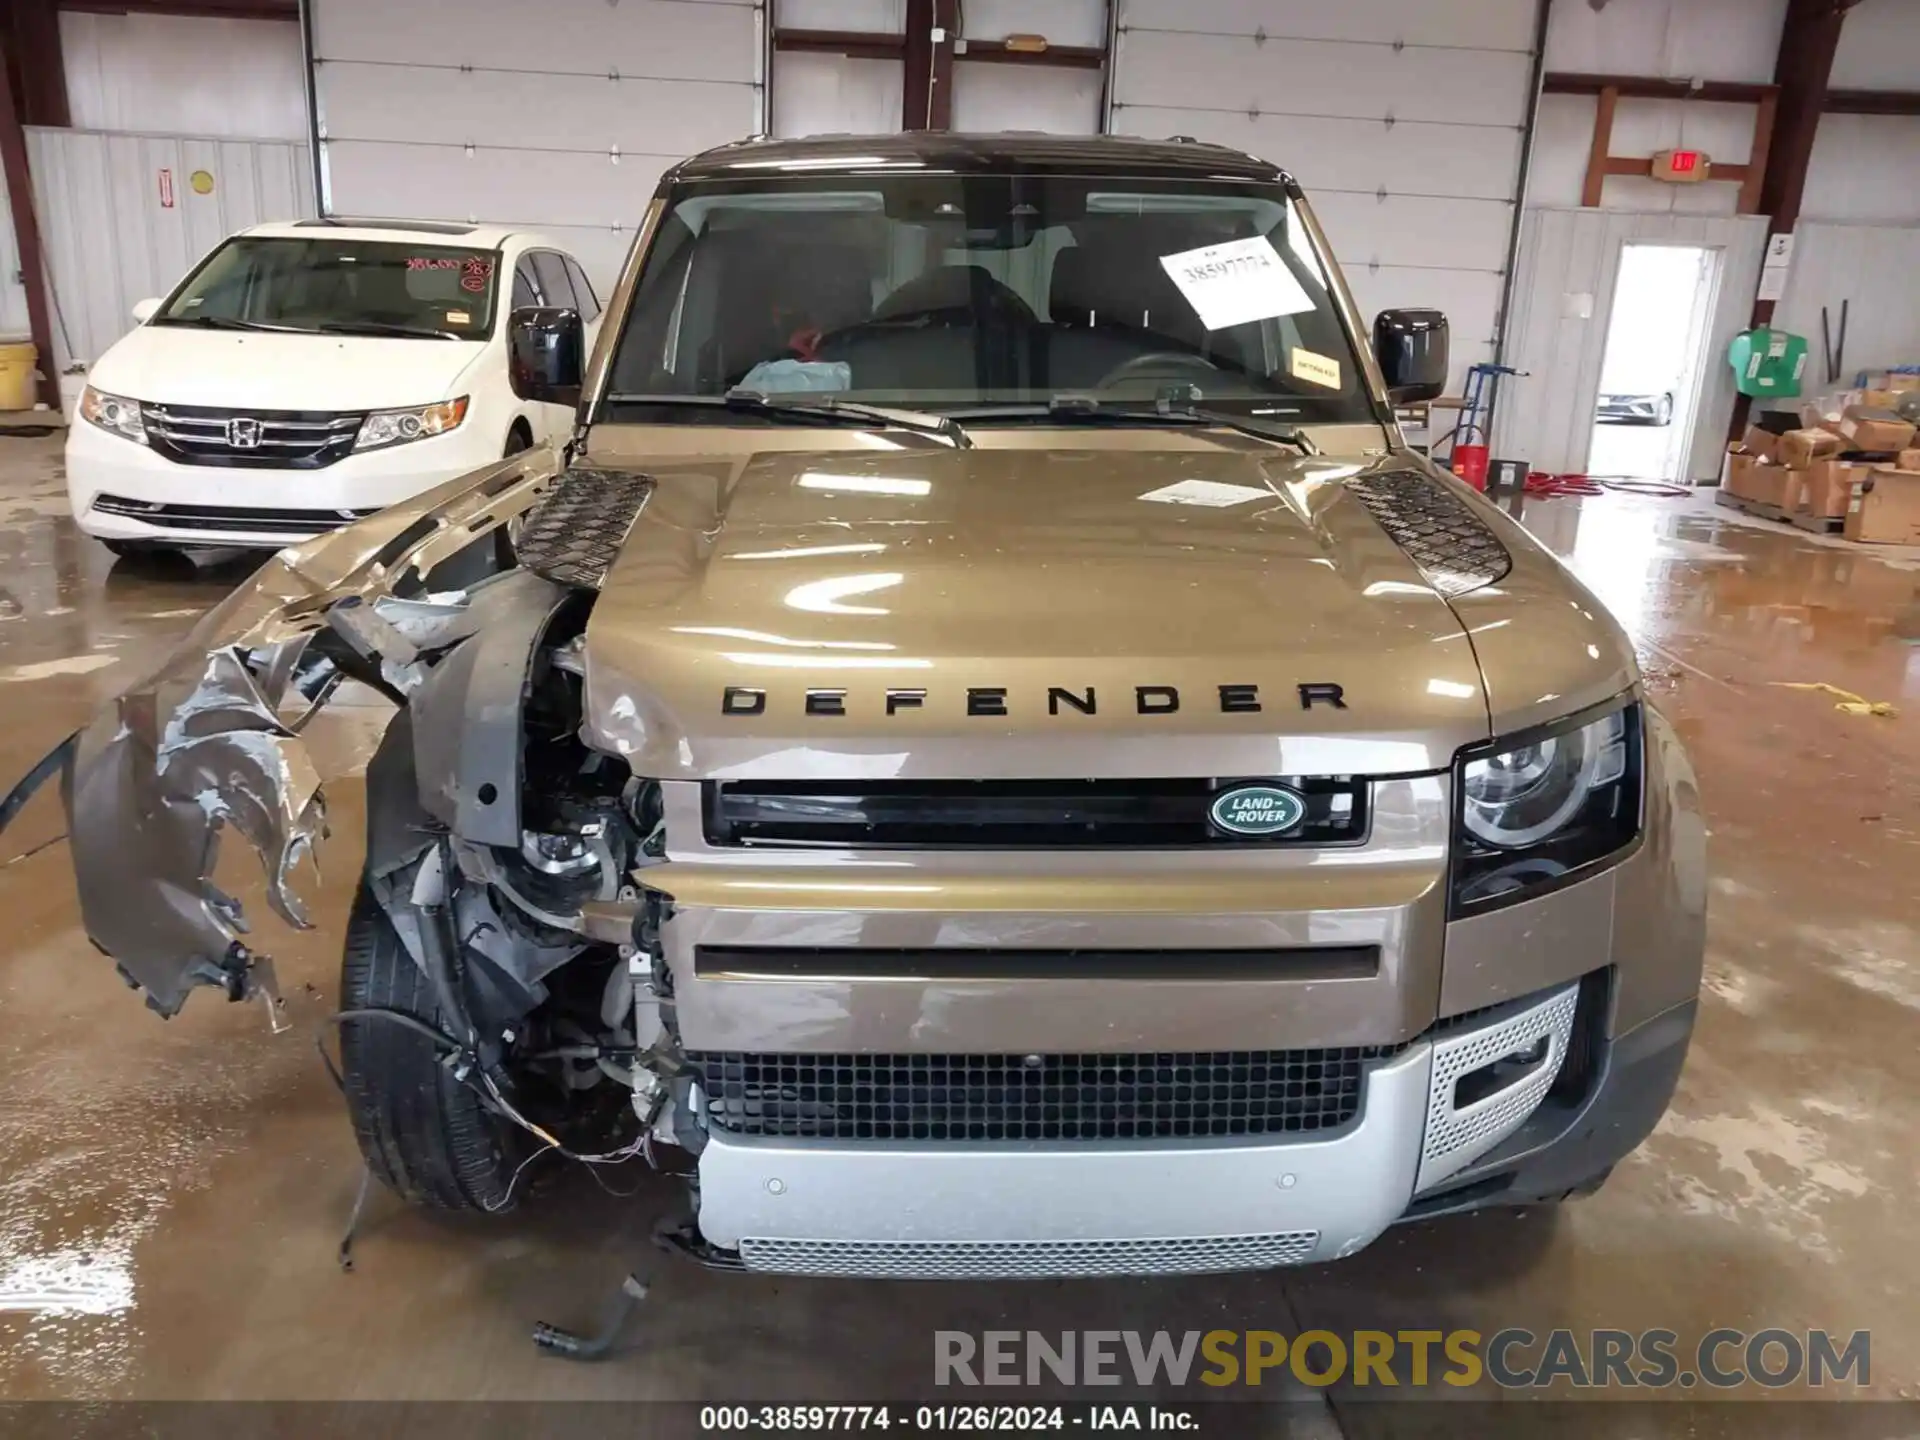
(871, 548)
(826, 662)
(823, 597)
(864, 484)
(1452, 689)
(761, 637)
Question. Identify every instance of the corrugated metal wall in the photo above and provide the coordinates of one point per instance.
(1877, 267)
(184, 75)
(1402, 119)
(110, 239)
(558, 117)
(1569, 260)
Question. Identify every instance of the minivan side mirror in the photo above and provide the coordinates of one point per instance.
(143, 309)
(546, 353)
(1411, 346)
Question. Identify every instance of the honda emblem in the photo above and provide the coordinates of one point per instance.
(243, 433)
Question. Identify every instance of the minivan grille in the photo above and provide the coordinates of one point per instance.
(1011, 814)
(255, 439)
(233, 518)
(1033, 1097)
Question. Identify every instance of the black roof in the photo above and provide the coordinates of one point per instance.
(1010, 151)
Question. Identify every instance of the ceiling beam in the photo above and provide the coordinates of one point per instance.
(854, 44)
(1646, 87)
(198, 9)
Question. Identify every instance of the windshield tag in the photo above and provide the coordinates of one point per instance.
(1316, 369)
(1236, 282)
(459, 317)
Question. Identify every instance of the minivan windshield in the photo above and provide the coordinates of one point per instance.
(342, 287)
(984, 295)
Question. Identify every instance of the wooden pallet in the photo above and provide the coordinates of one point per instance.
(1819, 524)
(1763, 508)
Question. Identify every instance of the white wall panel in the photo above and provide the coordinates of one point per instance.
(1879, 47)
(110, 240)
(1063, 22)
(176, 74)
(1569, 261)
(988, 95)
(1481, 25)
(559, 117)
(1403, 121)
(14, 321)
(886, 16)
(835, 94)
(1711, 39)
(1873, 266)
(1865, 168)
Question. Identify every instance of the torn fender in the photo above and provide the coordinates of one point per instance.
(212, 737)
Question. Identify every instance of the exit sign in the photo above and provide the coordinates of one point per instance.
(1681, 166)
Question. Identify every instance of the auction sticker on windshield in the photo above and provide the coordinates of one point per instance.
(1236, 282)
(1308, 365)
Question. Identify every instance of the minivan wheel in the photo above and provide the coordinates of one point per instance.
(424, 1134)
(518, 438)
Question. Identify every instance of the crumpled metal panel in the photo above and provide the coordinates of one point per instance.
(212, 737)
(574, 535)
(1453, 548)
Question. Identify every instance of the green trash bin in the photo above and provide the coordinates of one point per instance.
(1768, 363)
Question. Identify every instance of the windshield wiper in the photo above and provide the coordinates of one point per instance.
(379, 327)
(825, 408)
(223, 322)
(1079, 409)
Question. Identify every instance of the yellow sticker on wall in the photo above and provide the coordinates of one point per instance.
(201, 181)
(1315, 369)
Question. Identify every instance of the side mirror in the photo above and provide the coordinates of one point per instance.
(1411, 346)
(546, 349)
(143, 309)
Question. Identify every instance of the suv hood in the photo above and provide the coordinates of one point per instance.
(174, 365)
(761, 615)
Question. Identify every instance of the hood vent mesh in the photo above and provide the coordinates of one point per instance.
(574, 535)
(1453, 548)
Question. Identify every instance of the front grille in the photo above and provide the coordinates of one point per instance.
(1033, 1097)
(281, 439)
(1029, 1259)
(232, 519)
(1012, 814)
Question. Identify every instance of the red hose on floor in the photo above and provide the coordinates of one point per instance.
(1546, 486)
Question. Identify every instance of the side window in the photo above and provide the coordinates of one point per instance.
(552, 273)
(526, 286)
(583, 295)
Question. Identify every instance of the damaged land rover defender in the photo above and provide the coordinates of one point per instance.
(986, 748)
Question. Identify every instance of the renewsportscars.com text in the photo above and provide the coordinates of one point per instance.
(1721, 1359)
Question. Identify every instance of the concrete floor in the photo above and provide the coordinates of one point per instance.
(171, 1193)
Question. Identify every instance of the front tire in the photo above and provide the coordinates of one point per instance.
(424, 1134)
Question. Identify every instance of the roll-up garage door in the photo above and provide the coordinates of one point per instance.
(558, 116)
(1402, 118)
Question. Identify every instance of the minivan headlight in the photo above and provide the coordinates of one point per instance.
(1535, 807)
(113, 413)
(417, 422)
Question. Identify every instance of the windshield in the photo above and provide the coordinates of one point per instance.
(971, 293)
(333, 285)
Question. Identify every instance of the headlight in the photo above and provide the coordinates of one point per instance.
(1535, 808)
(396, 427)
(113, 413)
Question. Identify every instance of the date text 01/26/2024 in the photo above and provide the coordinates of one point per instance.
(764, 1419)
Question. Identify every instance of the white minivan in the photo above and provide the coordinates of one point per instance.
(309, 373)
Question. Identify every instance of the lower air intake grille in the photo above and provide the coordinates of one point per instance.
(1033, 1097)
(1029, 1259)
(234, 519)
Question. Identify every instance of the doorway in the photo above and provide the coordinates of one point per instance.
(1654, 362)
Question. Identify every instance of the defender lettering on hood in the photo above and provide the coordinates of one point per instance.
(993, 700)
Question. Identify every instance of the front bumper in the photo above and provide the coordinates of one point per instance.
(120, 490)
(1118, 1208)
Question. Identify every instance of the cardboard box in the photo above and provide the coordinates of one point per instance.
(1800, 448)
(1751, 478)
(1900, 384)
(1910, 459)
(1882, 399)
(1828, 487)
(1763, 443)
(1885, 508)
(1876, 432)
(1793, 490)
